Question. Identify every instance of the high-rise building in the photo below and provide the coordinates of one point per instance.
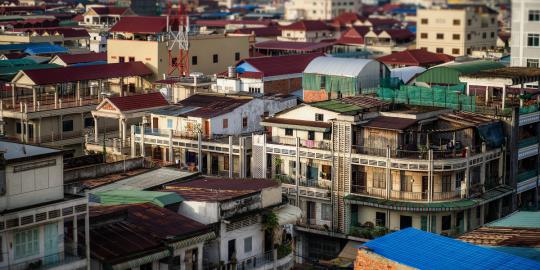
(525, 42)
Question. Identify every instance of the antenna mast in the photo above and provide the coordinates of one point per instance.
(177, 35)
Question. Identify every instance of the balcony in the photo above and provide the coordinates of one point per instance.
(407, 195)
(60, 260)
(303, 182)
(414, 152)
(282, 257)
(528, 147)
(323, 145)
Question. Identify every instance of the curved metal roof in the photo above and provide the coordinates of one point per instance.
(335, 66)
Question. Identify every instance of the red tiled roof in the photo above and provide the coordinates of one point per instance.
(223, 23)
(110, 10)
(417, 57)
(400, 34)
(355, 35)
(280, 65)
(219, 189)
(84, 73)
(138, 102)
(251, 74)
(142, 24)
(65, 31)
(292, 46)
(123, 232)
(270, 31)
(307, 25)
(378, 22)
(348, 18)
(70, 59)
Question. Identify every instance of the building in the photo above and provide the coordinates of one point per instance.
(319, 10)
(41, 227)
(417, 57)
(388, 40)
(268, 75)
(98, 20)
(415, 249)
(145, 236)
(240, 210)
(137, 38)
(306, 31)
(79, 59)
(75, 39)
(332, 77)
(272, 47)
(457, 30)
(511, 234)
(525, 42)
(448, 74)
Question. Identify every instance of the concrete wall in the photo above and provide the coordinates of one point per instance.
(254, 231)
(34, 185)
(99, 170)
(203, 212)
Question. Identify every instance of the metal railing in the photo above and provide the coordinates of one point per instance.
(447, 195)
(324, 145)
(527, 142)
(408, 195)
(412, 152)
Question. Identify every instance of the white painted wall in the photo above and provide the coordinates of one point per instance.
(203, 212)
(257, 244)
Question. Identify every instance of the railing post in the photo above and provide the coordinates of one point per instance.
(483, 168)
(231, 170)
(467, 173)
(199, 151)
(388, 174)
(133, 149)
(143, 154)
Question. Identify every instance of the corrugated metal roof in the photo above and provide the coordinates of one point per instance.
(46, 49)
(347, 67)
(280, 65)
(522, 219)
(21, 46)
(70, 59)
(138, 102)
(390, 123)
(161, 199)
(146, 180)
(449, 73)
(423, 250)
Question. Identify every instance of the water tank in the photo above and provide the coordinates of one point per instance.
(231, 72)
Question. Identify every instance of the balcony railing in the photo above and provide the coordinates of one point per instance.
(447, 195)
(261, 261)
(47, 261)
(414, 153)
(315, 183)
(526, 175)
(324, 145)
(527, 142)
(408, 195)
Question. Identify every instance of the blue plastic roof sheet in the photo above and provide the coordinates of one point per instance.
(46, 49)
(424, 250)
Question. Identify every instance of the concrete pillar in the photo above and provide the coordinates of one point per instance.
(499, 207)
(388, 174)
(504, 97)
(231, 169)
(142, 142)
(26, 131)
(467, 173)
(87, 234)
(56, 97)
(199, 151)
(34, 98)
(38, 131)
(120, 128)
(96, 130)
(78, 92)
(466, 220)
(296, 170)
(132, 141)
(482, 214)
(171, 153)
(483, 168)
(13, 86)
(75, 236)
(208, 163)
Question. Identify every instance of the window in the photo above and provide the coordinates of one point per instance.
(446, 183)
(67, 125)
(26, 243)
(469, 22)
(379, 179)
(455, 51)
(146, 266)
(18, 127)
(225, 123)
(194, 60)
(439, 50)
(169, 123)
(446, 223)
(226, 162)
(492, 20)
(424, 21)
(492, 34)
(380, 219)
(533, 40)
(478, 212)
(326, 172)
(121, 59)
(533, 63)
(534, 15)
(311, 135)
(88, 122)
(319, 117)
(326, 211)
(406, 183)
(245, 122)
(131, 59)
(254, 90)
(468, 36)
(327, 135)
(484, 35)
(440, 36)
(456, 36)
(423, 35)
(248, 244)
(215, 58)
(456, 22)
(288, 132)
(236, 56)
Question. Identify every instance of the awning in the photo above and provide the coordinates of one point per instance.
(142, 260)
(288, 214)
(193, 240)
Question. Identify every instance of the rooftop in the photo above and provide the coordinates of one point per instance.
(514, 73)
(137, 102)
(114, 197)
(280, 65)
(335, 66)
(416, 57)
(70, 59)
(390, 123)
(292, 46)
(521, 219)
(306, 25)
(20, 152)
(211, 105)
(142, 24)
(423, 250)
(219, 189)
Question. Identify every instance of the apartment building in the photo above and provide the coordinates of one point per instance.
(525, 42)
(137, 38)
(306, 31)
(75, 39)
(319, 9)
(41, 227)
(457, 30)
(98, 20)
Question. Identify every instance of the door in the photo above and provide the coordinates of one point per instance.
(215, 165)
(155, 122)
(191, 259)
(405, 222)
(51, 244)
(354, 215)
(312, 175)
(207, 127)
(311, 212)
(424, 187)
(231, 249)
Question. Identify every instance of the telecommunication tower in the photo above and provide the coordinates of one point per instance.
(177, 39)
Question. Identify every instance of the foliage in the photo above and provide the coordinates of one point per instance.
(369, 232)
(269, 221)
(284, 250)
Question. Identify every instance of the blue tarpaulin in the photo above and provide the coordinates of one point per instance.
(21, 46)
(46, 49)
(424, 250)
(492, 134)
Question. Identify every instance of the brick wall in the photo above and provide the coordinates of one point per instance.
(283, 86)
(315, 95)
